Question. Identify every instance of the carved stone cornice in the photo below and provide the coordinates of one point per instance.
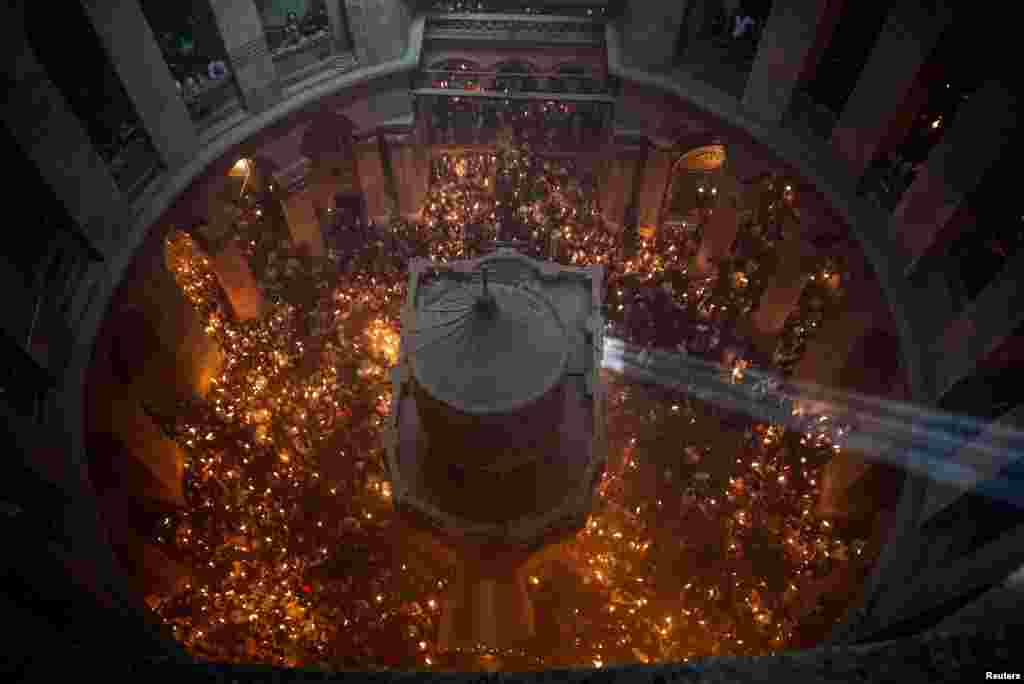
(247, 53)
(535, 29)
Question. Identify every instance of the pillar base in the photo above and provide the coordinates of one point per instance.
(236, 279)
(487, 605)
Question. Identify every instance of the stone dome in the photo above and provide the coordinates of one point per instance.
(483, 363)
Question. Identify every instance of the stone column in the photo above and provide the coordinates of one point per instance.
(241, 29)
(380, 29)
(370, 166)
(228, 261)
(39, 118)
(887, 82)
(339, 27)
(302, 204)
(162, 350)
(136, 57)
(783, 292)
(826, 354)
(827, 362)
(722, 226)
(302, 211)
(786, 48)
(618, 181)
(139, 463)
(333, 173)
(221, 214)
(411, 169)
(332, 169)
(973, 143)
(239, 285)
(649, 31)
(487, 603)
(863, 306)
(657, 170)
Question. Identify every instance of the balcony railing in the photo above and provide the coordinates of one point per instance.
(131, 157)
(210, 101)
(299, 52)
(535, 29)
(554, 83)
(576, 9)
(474, 118)
(308, 47)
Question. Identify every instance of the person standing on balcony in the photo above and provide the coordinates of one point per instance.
(743, 26)
(291, 29)
(216, 70)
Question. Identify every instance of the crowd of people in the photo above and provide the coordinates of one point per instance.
(540, 123)
(300, 558)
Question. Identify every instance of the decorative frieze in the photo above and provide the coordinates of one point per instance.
(533, 29)
(247, 53)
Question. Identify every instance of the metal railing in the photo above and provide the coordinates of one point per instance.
(592, 9)
(536, 29)
(506, 82)
(212, 101)
(132, 159)
(449, 117)
(281, 43)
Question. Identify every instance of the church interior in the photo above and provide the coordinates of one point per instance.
(506, 336)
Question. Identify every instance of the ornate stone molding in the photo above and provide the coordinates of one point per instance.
(243, 55)
(519, 28)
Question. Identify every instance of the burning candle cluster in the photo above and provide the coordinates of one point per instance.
(704, 535)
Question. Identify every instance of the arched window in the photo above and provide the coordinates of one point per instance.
(694, 180)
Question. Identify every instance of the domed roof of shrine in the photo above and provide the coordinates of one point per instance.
(487, 358)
